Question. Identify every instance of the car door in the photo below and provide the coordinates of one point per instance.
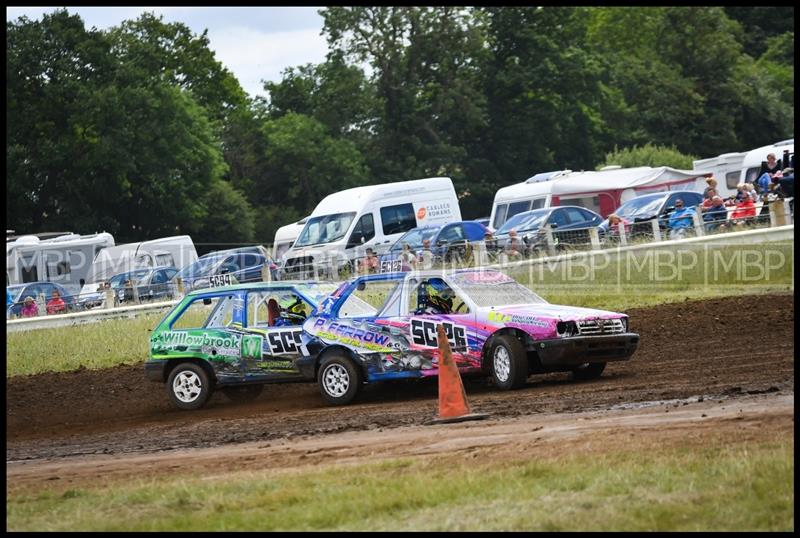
(272, 342)
(423, 322)
(157, 286)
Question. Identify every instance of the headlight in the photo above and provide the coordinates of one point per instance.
(566, 328)
(624, 325)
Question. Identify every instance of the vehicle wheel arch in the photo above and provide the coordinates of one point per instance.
(172, 363)
(519, 334)
(340, 350)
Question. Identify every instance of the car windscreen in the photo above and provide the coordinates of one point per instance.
(316, 292)
(201, 267)
(492, 288)
(133, 276)
(524, 221)
(642, 206)
(325, 229)
(414, 238)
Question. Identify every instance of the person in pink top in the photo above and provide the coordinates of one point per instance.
(29, 308)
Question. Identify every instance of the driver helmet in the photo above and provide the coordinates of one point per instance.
(438, 295)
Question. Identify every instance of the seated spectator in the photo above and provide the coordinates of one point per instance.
(745, 210)
(716, 215)
(370, 262)
(29, 309)
(712, 186)
(741, 193)
(681, 220)
(513, 247)
(425, 256)
(751, 191)
(56, 304)
(769, 169)
(707, 202)
(614, 221)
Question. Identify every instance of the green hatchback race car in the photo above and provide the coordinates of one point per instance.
(235, 338)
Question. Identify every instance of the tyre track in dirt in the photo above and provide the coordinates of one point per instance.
(715, 348)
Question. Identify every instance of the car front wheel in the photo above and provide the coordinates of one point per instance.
(339, 380)
(508, 362)
(189, 386)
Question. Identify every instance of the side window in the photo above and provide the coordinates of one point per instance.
(169, 273)
(500, 216)
(276, 308)
(230, 265)
(251, 260)
(398, 218)
(206, 312)
(451, 233)
(538, 203)
(751, 176)
(558, 217)
(693, 199)
(518, 207)
(159, 277)
(419, 301)
(365, 227)
(576, 216)
(367, 299)
(732, 178)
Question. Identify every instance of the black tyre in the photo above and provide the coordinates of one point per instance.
(189, 386)
(508, 362)
(590, 370)
(339, 379)
(243, 393)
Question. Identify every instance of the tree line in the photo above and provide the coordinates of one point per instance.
(139, 131)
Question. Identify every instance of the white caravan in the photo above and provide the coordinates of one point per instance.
(177, 251)
(602, 191)
(346, 223)
(730, 169)
(285, 236)
(65, 260)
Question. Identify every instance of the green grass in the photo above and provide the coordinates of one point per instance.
(636, 281)
(747, 486)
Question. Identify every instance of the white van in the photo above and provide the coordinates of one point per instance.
(730, 169)
(346, 223)
(285, 236)
(176, 251)
(65, 260)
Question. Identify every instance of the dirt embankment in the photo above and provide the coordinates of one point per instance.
(719, 348)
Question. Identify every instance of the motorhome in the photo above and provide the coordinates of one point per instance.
(730, 169)
(601, 191)
(346, 223)
(176, 251)
(285, 236)
(65, 260)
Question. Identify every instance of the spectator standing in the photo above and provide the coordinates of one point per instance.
(407, 258)
(29, 308)
(513, 246)
(712, 186)
(370, 262)
(425, 255)
(681, 220)
(56, 304)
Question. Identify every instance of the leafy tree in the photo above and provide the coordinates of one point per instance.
(230, 218)
(649, 155)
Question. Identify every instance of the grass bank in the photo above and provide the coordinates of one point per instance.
(722, 487)
(611, 283)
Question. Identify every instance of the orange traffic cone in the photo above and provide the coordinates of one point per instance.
(453, 406)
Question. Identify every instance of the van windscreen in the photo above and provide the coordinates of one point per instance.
(325, 229)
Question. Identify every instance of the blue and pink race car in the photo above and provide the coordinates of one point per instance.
(384, 326)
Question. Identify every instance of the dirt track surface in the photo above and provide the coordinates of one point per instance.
(714, 350)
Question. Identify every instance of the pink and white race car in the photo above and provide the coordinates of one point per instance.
(384, 326)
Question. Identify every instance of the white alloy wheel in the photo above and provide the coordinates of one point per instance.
(502, 364)
(187, 386)
(335, 380)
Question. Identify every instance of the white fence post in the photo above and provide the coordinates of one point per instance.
(551, 246)
(179, 286)
(699, 230)
(265, 274)
(623, 238)
(787, 210)
(109, 297)
(656, 230)
(594, 238)
(40, 305)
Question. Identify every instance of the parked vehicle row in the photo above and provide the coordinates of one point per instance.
(371, 328)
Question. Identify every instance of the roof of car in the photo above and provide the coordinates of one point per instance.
(255, 286)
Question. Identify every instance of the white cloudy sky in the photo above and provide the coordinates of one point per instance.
(254, 43)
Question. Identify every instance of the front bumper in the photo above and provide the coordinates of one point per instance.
(579, 350)
(154, 370)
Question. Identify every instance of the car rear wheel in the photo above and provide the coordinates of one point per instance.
(243, 393)
(189, 386)
(339, 380)
(589, 370)
(508, 362)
